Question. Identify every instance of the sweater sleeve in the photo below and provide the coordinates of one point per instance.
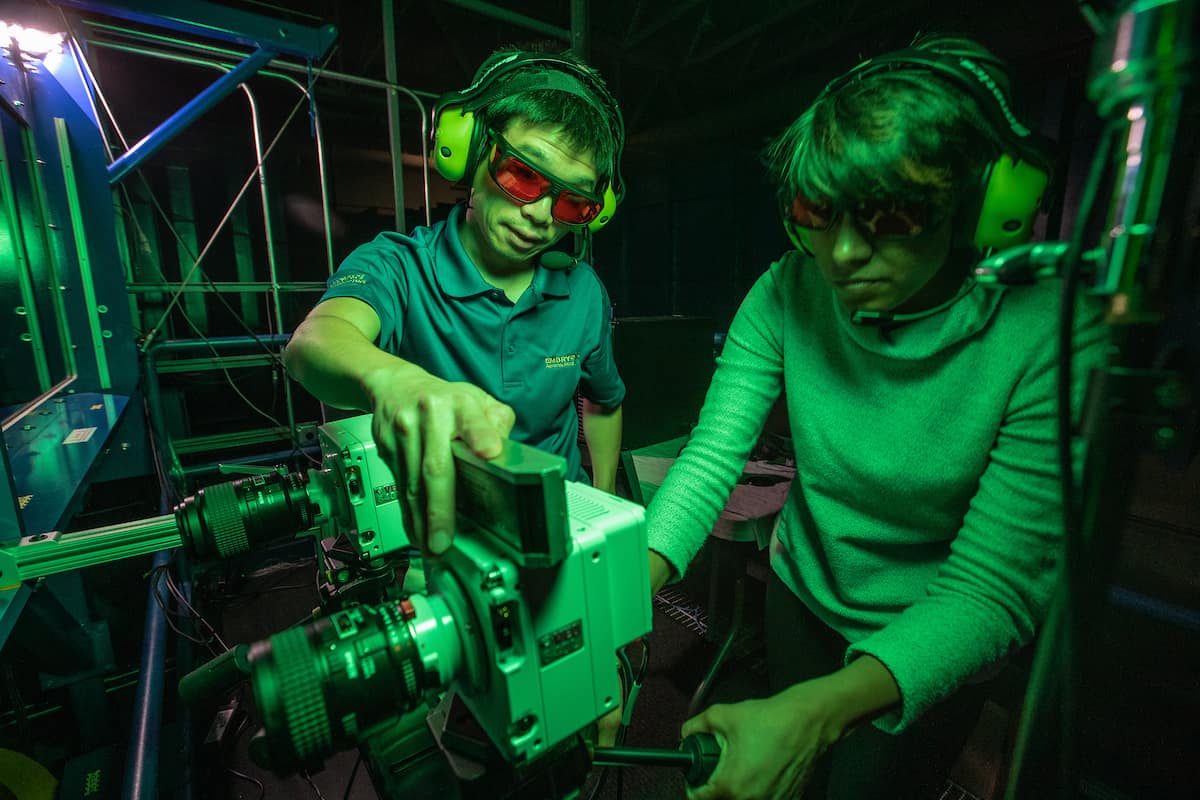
(746, 383)
(996, 583)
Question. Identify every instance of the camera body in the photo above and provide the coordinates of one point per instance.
(521, 618)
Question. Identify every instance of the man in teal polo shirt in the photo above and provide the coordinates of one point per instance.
(461, 330)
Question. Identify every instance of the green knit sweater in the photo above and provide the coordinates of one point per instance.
(924, 522)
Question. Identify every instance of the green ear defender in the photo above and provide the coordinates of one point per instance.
(459, 133)
(606, 211)
(1012, 194)
(798, 237)
(452, 142)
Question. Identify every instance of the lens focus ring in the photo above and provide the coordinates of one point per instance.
(225, 520)
(300, 694)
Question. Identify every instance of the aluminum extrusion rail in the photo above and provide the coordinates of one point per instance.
(43, 554)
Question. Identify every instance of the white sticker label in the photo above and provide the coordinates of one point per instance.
(79, 435)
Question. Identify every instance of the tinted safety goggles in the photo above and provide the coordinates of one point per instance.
(516, 176)
(891, 218)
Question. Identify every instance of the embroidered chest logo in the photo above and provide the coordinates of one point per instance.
(555, 362)
(350, 277)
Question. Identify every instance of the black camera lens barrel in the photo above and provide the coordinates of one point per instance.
(228, 518)
(319, 686)
(291, 699)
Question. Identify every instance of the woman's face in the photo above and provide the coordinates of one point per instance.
(885, 273)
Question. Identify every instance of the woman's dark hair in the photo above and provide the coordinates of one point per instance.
(891, 133)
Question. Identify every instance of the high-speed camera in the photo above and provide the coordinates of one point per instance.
(521, 618)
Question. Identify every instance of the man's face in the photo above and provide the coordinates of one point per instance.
(881, 273)
(501, 234)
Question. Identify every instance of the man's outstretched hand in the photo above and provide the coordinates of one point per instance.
(417, 417)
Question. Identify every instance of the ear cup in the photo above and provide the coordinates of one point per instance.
(452, 142)
(606, 211)
(1012, 194)
(798, 237)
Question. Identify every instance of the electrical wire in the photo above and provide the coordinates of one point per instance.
(95, 85)
(631, 696)
(168, 614)
(353, 774)
(237, 199)
(308, 778)
(187, 249)
(165, 481)
(175, 591)
(161, 576)
(276, 566)
(262, 790)
(278, 362)
(630, 686)
(148, 337)
(627, 689)
(79, 51)
(241, 598)
(600, 782)
(275, 357)
(1064, 615)
(229, 378)
(234, 737)
(1074, 571)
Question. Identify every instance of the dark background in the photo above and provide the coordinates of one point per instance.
(703, 84)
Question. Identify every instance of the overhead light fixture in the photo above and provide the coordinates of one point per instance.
(29, 41)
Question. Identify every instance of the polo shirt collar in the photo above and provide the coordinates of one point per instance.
(458, 276)
(456, 273)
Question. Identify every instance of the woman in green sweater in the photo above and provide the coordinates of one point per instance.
(917, 549)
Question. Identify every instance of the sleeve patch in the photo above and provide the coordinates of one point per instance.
(349, 277)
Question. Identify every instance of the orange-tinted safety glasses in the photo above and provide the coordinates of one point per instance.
(873, 217)
(515, 174)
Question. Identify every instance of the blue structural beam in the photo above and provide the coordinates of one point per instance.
(141, 762)
(270, 37)
(185, 116)
(222, 23)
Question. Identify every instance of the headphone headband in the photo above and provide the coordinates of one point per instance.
(989, 83)
(530, 81)
(968, 72)
(483, 74)
(557, 76)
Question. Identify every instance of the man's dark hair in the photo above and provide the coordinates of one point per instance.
(582, 123)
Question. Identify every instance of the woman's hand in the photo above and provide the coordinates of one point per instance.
(768, 747)
(417, 416)
(660, 572)
(608, 726)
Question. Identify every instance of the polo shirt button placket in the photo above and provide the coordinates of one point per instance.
(509, 370)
